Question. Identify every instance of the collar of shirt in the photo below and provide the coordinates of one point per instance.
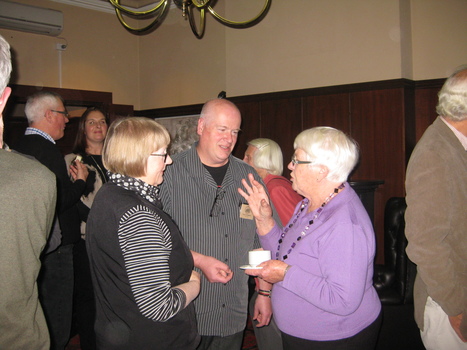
(462, 138)
(34, 131)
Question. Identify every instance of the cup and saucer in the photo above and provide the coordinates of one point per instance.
(256, 257)
(251, 267)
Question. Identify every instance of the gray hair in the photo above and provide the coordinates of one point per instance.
(452, 98)
(329, 147)
(38, 104)
(5, 63)
(268, 156)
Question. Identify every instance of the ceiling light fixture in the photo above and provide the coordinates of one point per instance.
(187, 7)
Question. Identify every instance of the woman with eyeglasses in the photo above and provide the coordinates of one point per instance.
(87, 149)
(141, 267)
(323, 295)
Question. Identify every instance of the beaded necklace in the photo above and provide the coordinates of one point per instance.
(304, 231)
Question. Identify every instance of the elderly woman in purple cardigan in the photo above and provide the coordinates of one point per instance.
(322, 297)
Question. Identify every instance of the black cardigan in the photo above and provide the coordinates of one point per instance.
(120, 324)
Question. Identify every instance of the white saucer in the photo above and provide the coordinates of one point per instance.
(249, 267)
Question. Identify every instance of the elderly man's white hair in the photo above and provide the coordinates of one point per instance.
(5, 63)
(452, 98)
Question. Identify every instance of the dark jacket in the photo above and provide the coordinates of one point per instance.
(68, 193)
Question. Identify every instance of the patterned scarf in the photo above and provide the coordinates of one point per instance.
(148, 192)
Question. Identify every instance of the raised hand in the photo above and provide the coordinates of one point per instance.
(258, 200)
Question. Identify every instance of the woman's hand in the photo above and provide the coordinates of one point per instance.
(258, 201)
(79, 171)
(272, 271)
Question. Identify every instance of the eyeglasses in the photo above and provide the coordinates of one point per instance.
(216, 206)
(159, 155)
(65, 113)
(295, 161)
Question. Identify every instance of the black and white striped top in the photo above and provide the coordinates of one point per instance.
(146, 256)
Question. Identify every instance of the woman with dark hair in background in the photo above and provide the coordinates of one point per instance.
(92, 130)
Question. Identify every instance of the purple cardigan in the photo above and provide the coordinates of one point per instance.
(328, 292)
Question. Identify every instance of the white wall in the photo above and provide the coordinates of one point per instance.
(299, 44)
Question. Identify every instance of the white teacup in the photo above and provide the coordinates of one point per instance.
(256, 257)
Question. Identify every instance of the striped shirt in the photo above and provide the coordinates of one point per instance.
(188, 193)
(146, 256)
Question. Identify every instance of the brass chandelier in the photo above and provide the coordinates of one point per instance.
(188, 8)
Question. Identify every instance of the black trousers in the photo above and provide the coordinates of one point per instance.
(84, 308)
(364, 340)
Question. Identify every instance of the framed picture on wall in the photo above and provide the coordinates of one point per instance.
(182, 130)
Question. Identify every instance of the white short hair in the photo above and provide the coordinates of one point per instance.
(268, 156)
(5, 63)
(38, 104)
(452, 98)
(331, 148)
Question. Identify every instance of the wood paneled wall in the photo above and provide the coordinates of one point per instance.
(386, 118)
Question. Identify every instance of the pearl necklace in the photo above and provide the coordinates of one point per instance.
(304, 231)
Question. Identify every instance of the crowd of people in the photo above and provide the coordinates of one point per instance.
(132, 248)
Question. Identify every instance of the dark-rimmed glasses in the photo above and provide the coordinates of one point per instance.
(159, 155)
(215, 209)
(65, 113)
(295, 161)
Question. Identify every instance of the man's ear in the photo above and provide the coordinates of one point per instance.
(48, 116)
(200, 127)
(4, 97)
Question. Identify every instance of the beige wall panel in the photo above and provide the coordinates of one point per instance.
(179, 69)
(310, 43)
(101, 55)
(439, 37)
(299, 44)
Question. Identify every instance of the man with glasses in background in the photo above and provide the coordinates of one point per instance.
(47, 118)
(200, 193)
